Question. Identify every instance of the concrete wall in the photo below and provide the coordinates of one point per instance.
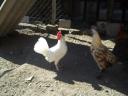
(11, 13)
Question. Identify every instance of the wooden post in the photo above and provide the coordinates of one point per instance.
(97, 10)
(85, 10)
(53, 11)
(110, 10)
(123, 6)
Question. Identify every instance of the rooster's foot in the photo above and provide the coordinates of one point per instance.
(59, 69)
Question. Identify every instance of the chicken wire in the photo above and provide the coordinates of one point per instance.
(1, 1)
(42, 11)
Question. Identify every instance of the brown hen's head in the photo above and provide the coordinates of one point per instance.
(96, 40)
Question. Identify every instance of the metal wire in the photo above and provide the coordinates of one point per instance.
(42, 11)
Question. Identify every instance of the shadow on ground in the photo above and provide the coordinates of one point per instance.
(78, 64)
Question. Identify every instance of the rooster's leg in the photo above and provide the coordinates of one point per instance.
(56, 65)
(57, 68)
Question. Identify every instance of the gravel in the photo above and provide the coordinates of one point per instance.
(25, 73)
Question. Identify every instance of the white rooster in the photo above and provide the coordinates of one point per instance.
(53, 54)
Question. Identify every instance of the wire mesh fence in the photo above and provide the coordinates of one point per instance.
(1, 1)
(42, 11)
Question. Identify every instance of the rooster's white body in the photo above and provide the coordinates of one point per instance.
(53, 54)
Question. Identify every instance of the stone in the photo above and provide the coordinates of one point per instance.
(63, 23)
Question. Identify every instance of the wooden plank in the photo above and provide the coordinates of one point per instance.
(20, 14)
(11, 12)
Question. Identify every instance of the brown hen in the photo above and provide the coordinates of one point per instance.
(101, 54)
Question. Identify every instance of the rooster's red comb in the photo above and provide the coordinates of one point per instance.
(59, 32)
(59, 35)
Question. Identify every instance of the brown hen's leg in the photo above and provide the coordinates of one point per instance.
(100, 74)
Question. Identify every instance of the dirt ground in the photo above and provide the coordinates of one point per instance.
(26, 73)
